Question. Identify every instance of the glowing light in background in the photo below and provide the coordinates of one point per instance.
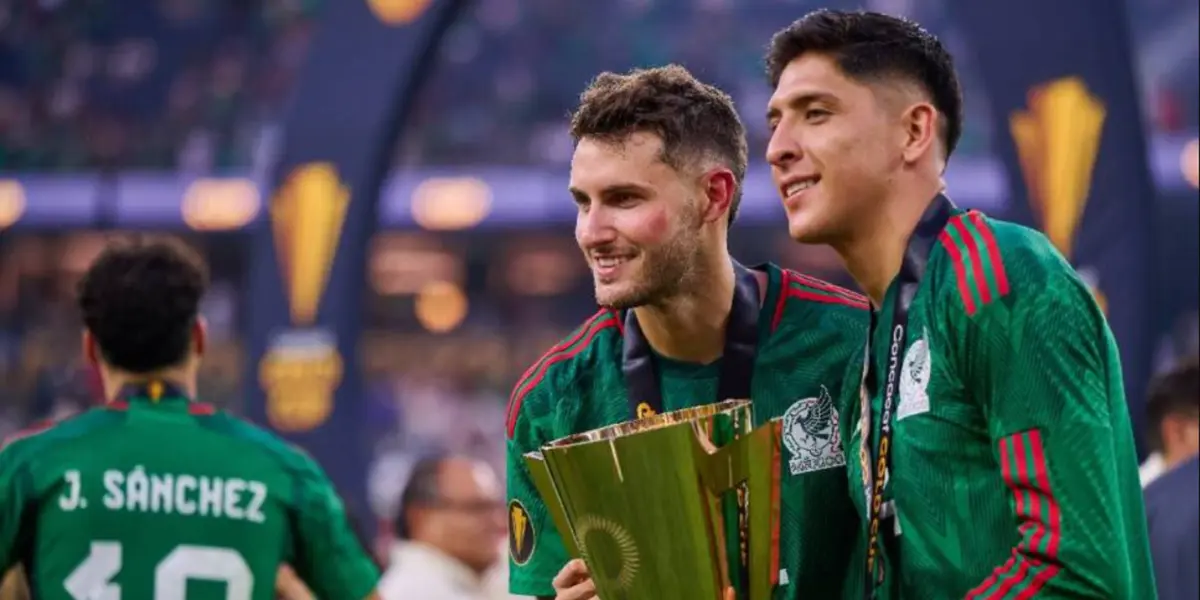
(445, 204)
(398, 12)
(441, 306)
(220, 204)
(1189, 162)
(12, 202)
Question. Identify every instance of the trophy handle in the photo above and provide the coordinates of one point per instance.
(539, 472)
(752, 459)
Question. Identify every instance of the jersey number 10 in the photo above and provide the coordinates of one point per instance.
(92, 579)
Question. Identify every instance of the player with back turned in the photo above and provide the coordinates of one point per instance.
(996, 458)
(155, 495)
(656, 175)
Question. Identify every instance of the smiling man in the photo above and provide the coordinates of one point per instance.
(657, 176)
(996, 458)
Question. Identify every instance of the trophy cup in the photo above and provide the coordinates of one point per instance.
(677, 506)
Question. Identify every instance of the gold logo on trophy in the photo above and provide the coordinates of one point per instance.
(521, 538)
(302, 369)
(597, 530)
(1058, 139)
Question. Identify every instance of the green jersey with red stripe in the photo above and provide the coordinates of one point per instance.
(808, 330)
(171, 499)
(1013, 472)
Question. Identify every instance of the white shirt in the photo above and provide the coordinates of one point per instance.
(421, 572)
(1151, 469)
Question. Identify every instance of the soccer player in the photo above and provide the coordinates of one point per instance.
(996, 458)
(155, 495)
(656, 175)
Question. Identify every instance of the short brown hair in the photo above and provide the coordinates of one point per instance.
(694, 120)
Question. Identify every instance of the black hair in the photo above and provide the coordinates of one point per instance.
(140, 299)
(422, 489)
(1174, 393)
(871, 46)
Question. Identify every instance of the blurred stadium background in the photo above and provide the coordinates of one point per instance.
(192, 116)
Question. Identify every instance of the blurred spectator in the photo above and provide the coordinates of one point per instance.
(1173, 516)
(1173, 411)
(450, 530)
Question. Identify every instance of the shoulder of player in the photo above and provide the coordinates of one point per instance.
(806, 301)
(987, 260)
(47, 432)
(559, 366)
(288, 455)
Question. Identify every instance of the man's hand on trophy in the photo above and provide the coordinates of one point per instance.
(574, 583)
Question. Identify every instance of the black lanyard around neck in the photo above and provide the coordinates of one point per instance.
(737, 359)
(875, 472)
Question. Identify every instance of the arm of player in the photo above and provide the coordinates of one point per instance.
(536, 552)
(327, 555)
(14, 497)
(1042, 361)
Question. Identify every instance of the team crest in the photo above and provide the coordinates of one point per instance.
(811, 434)
(914, 379)
(521, 537)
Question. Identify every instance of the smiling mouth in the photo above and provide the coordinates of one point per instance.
(607, 266)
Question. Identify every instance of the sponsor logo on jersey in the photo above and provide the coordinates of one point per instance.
(302, 368)
(811, 434)
(914, 379)
(521, 537)
(1058, 139)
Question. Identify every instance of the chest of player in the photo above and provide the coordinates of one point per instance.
(803, 400)
(938, 429)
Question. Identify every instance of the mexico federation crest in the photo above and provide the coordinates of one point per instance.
(521, 537)
(914, 379)
(811, 434)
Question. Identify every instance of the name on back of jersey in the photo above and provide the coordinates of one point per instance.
(171, 494)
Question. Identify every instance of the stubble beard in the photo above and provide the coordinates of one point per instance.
(665, 271)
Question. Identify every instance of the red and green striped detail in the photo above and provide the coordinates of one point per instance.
(568, 348)
(1035, 559)
(978, 266)
(809, 288)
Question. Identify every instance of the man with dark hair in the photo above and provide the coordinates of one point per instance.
(996, 457)
(1173, 412)
(656, 175)
(450, 528)
(1173, 499)
(154, 492)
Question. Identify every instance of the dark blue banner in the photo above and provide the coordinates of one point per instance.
(308, 275)
(1059, 77)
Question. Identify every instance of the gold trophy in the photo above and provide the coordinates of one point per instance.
(677, 506)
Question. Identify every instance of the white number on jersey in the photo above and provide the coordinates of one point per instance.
(92, 579)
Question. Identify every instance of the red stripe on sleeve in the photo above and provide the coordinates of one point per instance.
(557, 354)
(1043, 516)
(985, 292)
(825, 286)
(811, 296)
(993, 250)
(1019, 499)
(784, 284)
(959, 271)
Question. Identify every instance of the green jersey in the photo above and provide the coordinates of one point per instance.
(171, 499)
(808, 330)
(1013, 472)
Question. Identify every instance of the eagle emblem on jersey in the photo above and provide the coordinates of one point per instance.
(914, 379)
(812, 436)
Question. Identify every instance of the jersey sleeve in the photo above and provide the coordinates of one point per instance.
(536, 551)
(1043, 364)
(327, 555)
(15, 496)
